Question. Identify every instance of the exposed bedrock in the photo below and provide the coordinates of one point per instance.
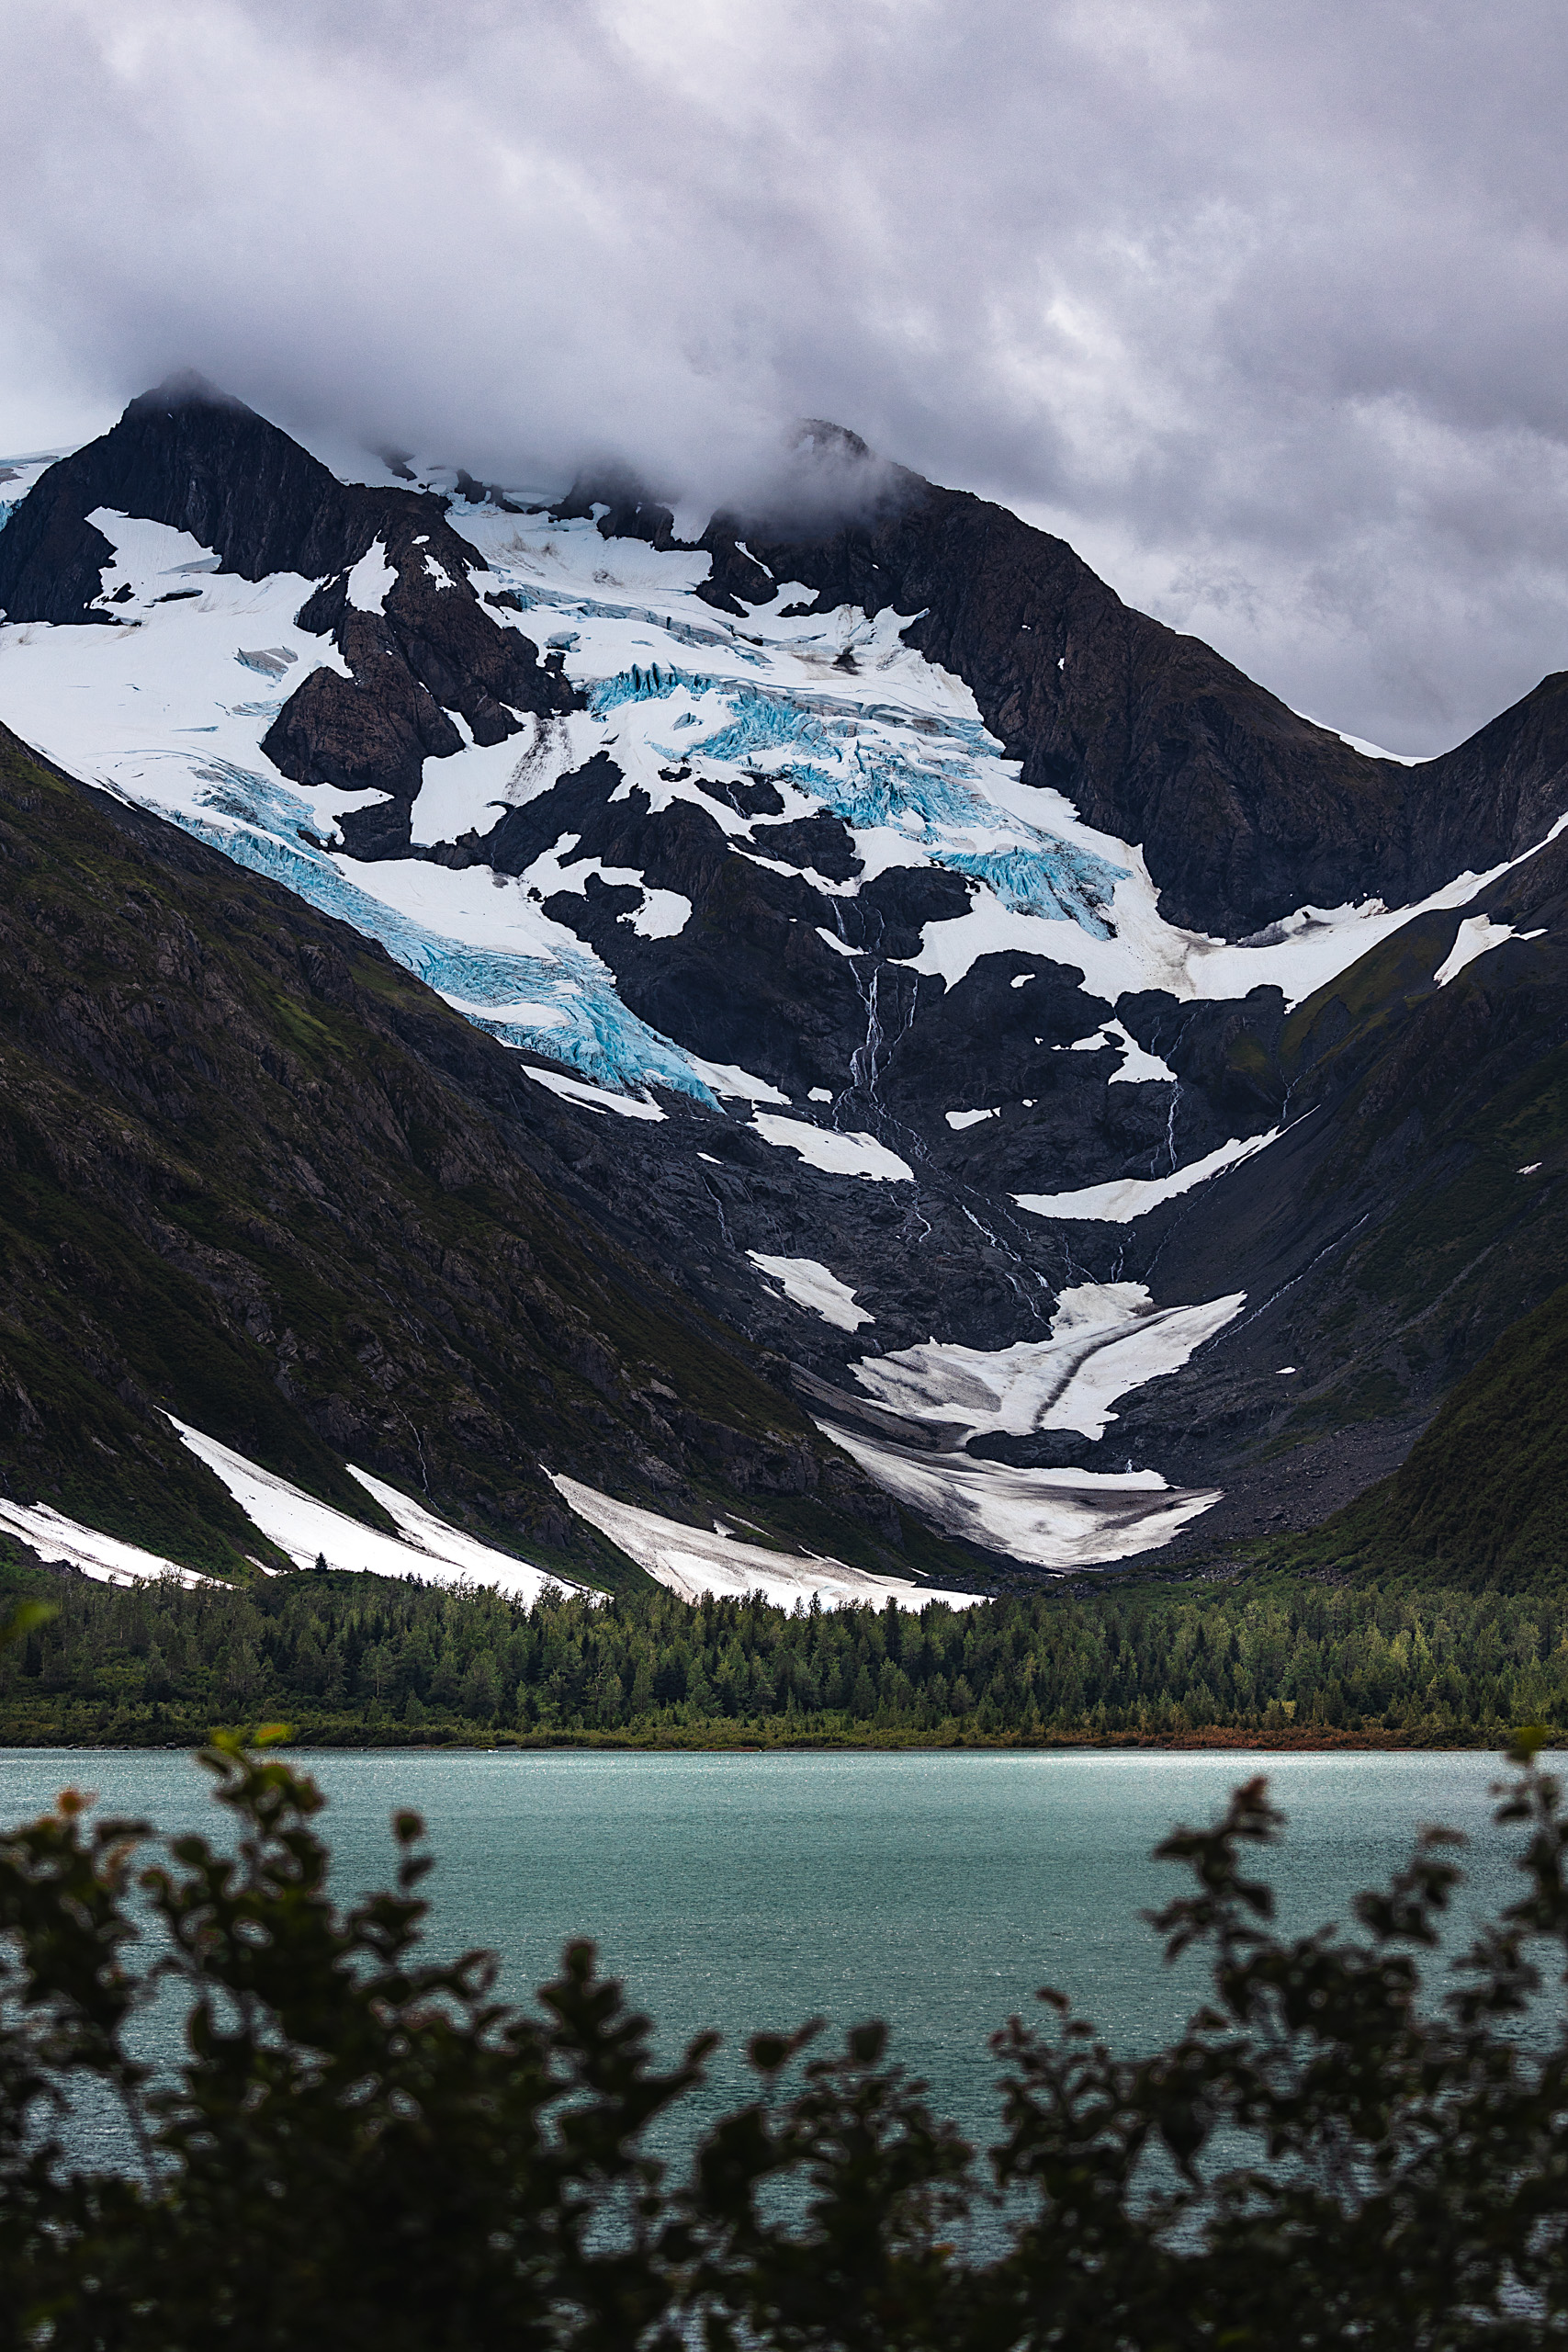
(187, 456)
(811, 991)
(432, 649)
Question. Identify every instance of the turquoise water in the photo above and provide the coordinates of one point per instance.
(936, 1891)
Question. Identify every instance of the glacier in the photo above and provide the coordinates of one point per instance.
(564, 1007)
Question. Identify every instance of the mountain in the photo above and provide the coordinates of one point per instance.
(1089, 1099)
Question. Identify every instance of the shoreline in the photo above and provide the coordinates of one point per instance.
(1276, 1740)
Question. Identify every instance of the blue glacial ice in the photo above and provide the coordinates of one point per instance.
(763, 723)
(1055, 881)
(582, 1021)
(871, 784)
(874, 781)
(653, 684)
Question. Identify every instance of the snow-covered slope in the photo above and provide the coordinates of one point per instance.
(170, 708)
(699, 839)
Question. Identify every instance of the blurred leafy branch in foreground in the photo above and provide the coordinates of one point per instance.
(361, 2148)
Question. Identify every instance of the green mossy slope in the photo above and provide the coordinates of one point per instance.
(1482, 1497)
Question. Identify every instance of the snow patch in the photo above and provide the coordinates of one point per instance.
(664, 914)
(1048, 1519)
(1476, 936)
(1139, 1068)
(594, 1098)
(307, 1529)
(895, 746)
(370, 579)
(835, 1154)
(695, 1562)
(1132, 1197)
(1106, 1339)
(102, 1557)
(807, 1282)
(729, 1078)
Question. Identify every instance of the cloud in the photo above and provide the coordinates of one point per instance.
(1262, 309)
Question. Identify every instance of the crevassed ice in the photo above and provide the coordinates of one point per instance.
(869, 781)
(582, 1021)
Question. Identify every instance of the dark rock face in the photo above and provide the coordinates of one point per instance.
(376, 730)
(747, 980)
(1228, 1051)
(187, 456)
(823, 842)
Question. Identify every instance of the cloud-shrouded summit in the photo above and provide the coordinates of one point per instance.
(1262, 309)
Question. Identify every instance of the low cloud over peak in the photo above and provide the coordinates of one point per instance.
(1262, 309)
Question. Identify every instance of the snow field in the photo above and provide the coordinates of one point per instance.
(1132, 1197)
(1050, 1518)
(425, 1546)
(104, 1558)
(807, 1282)
(1107, 1338)
(693, 1563)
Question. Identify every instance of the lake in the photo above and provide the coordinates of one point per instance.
(936, 1891)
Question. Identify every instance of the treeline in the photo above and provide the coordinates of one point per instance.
(355, 1659)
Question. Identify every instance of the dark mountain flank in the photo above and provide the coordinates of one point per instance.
(1483, 1498)
(1417, 1209)
(254, 1173)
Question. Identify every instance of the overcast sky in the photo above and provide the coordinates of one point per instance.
(1262, 307)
